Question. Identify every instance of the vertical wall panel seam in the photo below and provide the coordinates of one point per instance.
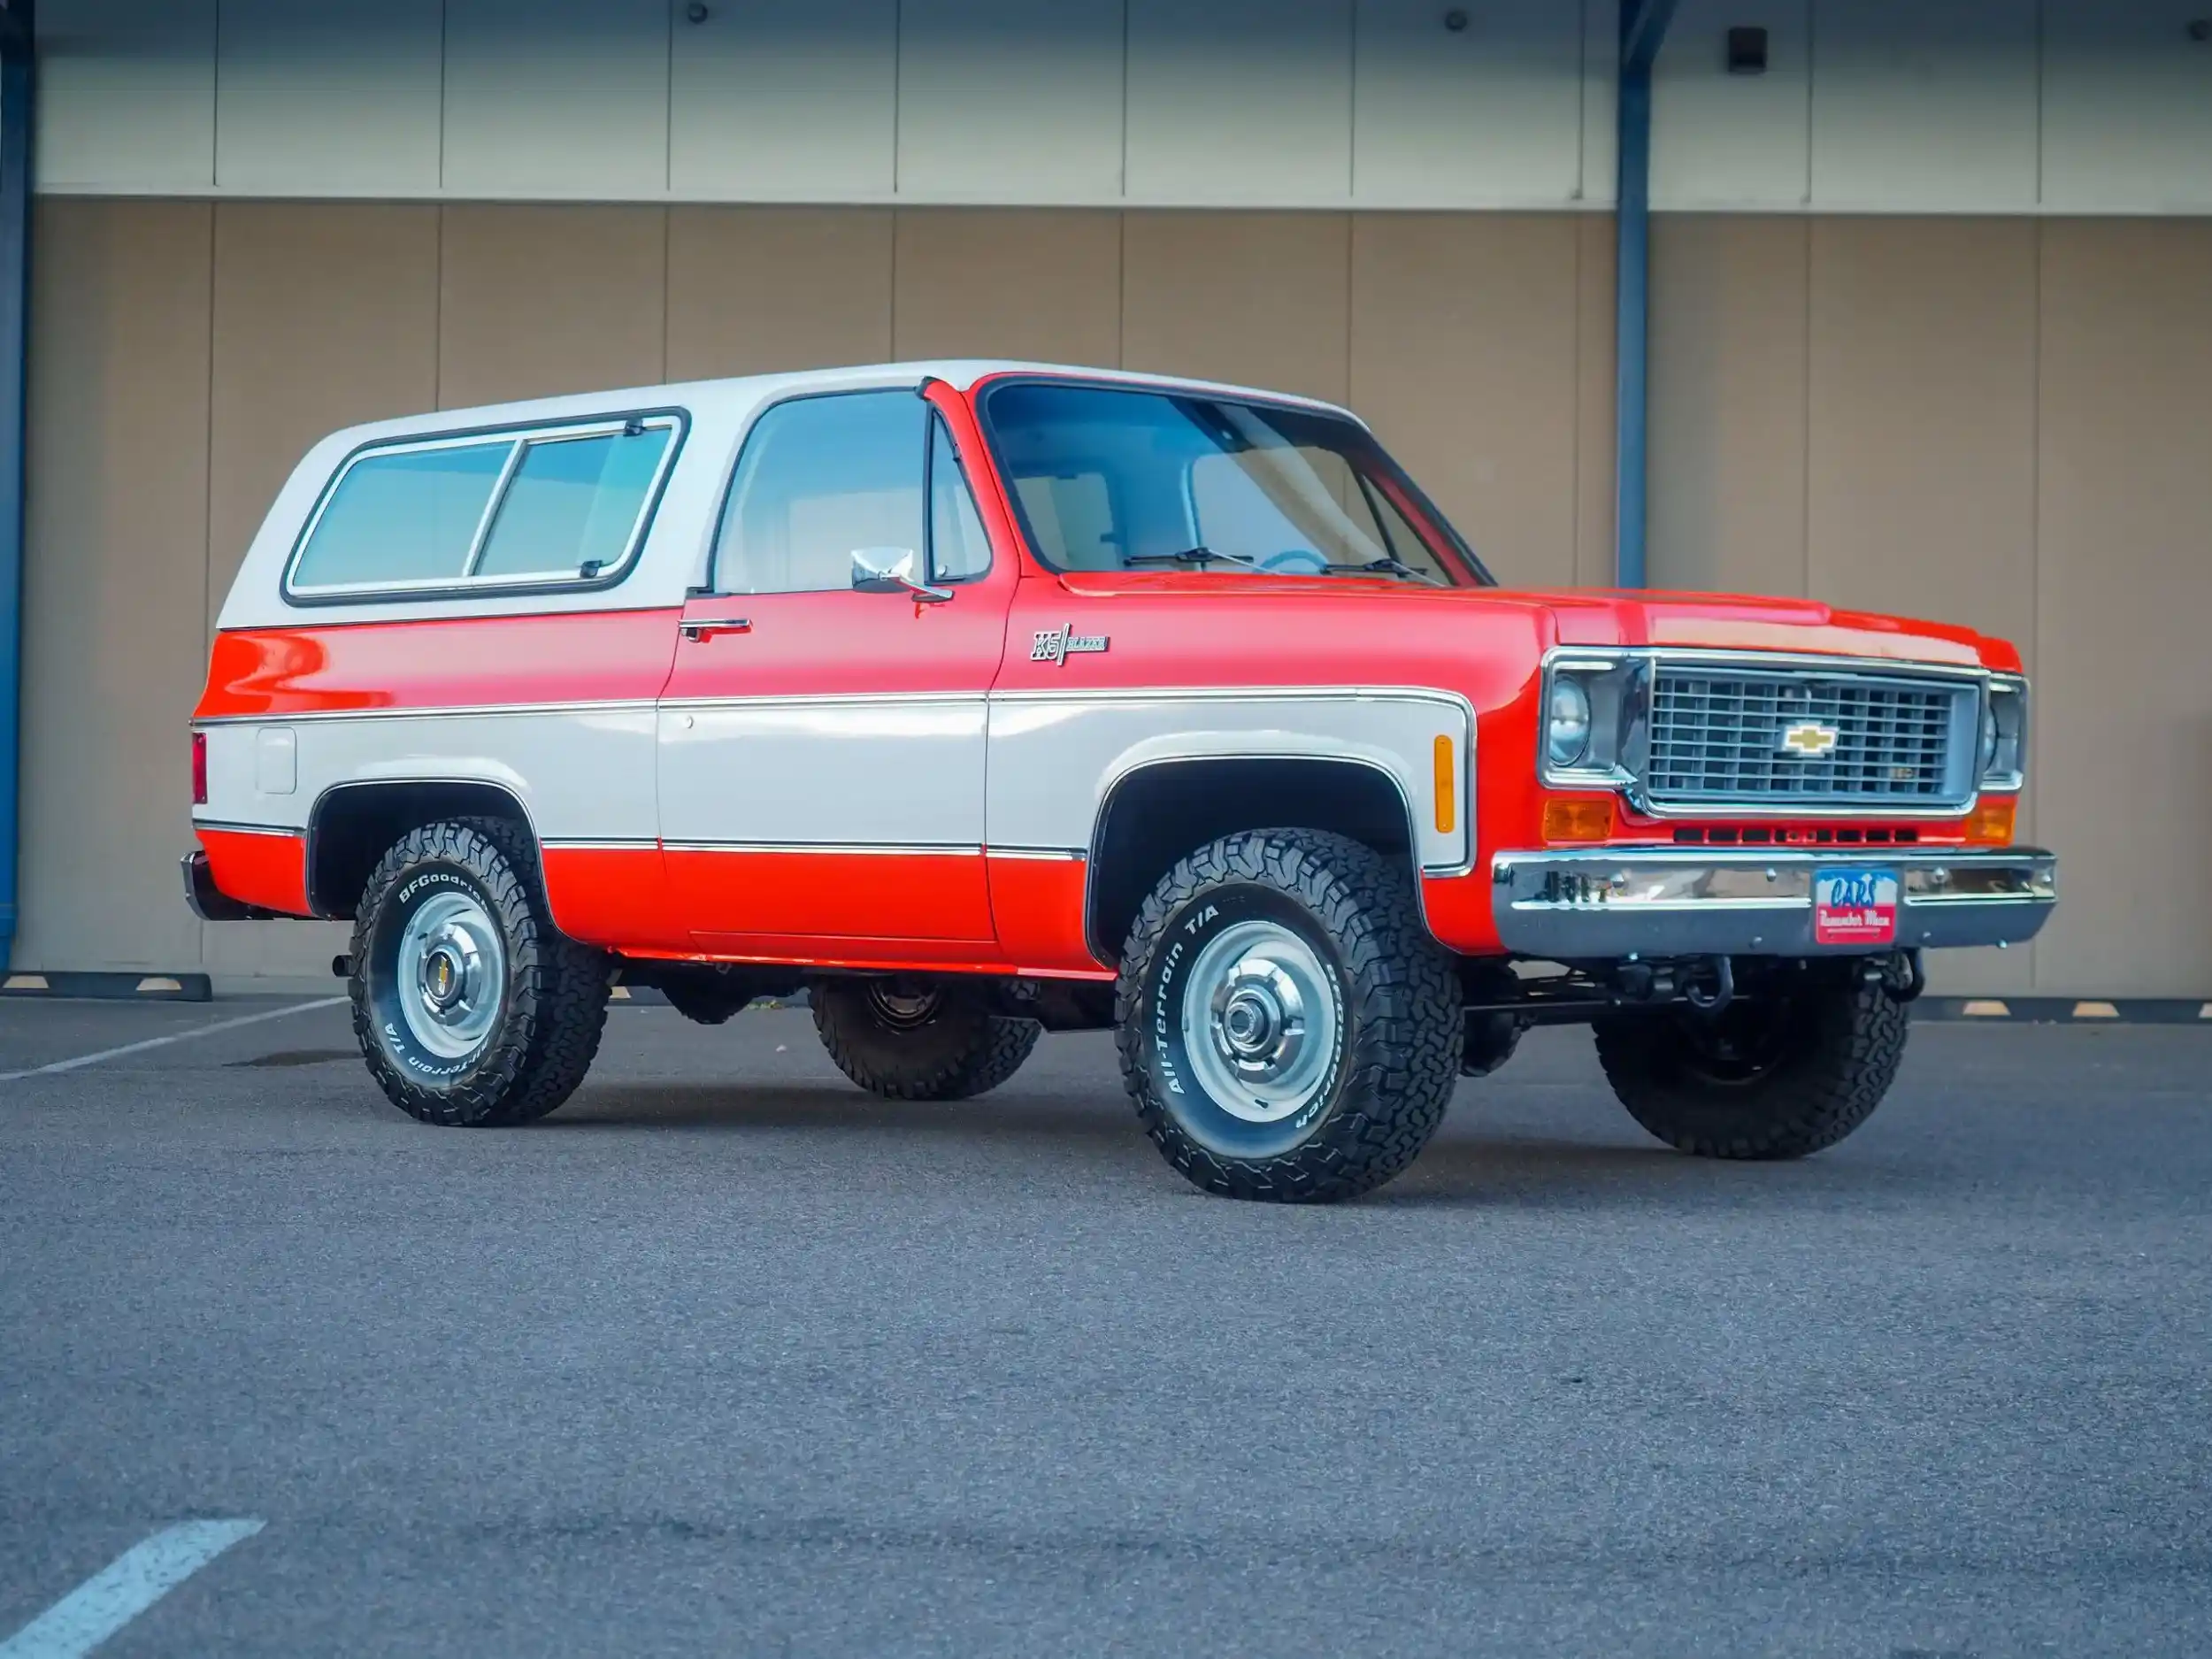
(1351, 229)
(437, 303)
(1574, 414)
(1121, 263)
(215, 125)
(1805, 435)
(1812, 26)
(668, 266)
(207, 492)
(445, 7)
(2035, 528)
(1351, 148)
(2041, 69)
(668, 155)
(1126, 5)
(1582, 157)
(898, 76)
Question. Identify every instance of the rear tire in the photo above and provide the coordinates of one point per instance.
(1777, 1077)
(913, 1040)
(471, 1008)
(1290, 1030)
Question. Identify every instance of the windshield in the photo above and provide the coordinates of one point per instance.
(1108, 479)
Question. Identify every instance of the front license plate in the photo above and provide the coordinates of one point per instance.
(1854, 907)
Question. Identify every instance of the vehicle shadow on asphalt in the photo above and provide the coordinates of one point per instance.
(1468, 1165)
(831, 1108)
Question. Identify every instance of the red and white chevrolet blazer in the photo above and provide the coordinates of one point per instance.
(981, 699)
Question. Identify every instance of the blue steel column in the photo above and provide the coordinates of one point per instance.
(18, 87)
(1643, 26)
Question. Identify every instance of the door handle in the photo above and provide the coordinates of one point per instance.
(707, 627)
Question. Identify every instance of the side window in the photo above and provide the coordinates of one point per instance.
(820, 477)
(561, 503)
(410, 517)
(573, 503)
(958, 550)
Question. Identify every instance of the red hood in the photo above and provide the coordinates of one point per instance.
(1619, 617)
(1720, 621)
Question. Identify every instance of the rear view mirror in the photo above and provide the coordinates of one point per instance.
(890, 570)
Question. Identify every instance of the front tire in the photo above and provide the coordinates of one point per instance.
(471, 1008)
(1778, 1076)
(1289, 1030)
(912, 1040)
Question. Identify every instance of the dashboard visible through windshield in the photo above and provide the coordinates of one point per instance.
(1111, 478)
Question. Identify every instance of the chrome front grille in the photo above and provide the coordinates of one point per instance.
(1715, 738)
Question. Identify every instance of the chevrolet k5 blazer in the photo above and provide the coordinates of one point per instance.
(981, 699)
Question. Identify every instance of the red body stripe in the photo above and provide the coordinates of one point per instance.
(838, 896)
(583, 656)
(1038, 905)
(270, 871)
(614, 897)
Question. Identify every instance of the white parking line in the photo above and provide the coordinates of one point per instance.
(123, 1589)
(175, 1036)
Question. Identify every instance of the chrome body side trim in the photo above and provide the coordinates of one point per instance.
(1612, 903)
(456, 710)
(229, 827)
(839, 849)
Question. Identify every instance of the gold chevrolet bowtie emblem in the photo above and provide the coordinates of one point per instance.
(1810, 739)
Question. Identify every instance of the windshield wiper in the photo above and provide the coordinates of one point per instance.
(1192, 555)
(1386, 565)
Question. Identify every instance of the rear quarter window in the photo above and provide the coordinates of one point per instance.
(547, 506)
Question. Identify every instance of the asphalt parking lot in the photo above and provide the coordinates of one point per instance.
(727, 1357)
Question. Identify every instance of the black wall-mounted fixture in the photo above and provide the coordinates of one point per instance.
(1455, 20)
(1746, 51)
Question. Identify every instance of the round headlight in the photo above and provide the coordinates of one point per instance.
(1567, 729)
(1989, 738)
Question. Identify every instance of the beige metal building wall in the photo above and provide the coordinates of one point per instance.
(187, 353)
(2001, 421)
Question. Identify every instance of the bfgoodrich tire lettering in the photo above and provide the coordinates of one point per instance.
(919, 1041)
(551, 992)
(1775, 1077)
(1386, 1006)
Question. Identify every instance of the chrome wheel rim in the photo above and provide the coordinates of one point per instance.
(451, 971)
(1259, 1021)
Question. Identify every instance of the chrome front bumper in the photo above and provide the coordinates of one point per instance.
(1608, 903)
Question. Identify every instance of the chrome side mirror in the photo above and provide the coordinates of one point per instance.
(890, 570)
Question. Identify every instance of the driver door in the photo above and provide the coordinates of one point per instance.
(821, 748)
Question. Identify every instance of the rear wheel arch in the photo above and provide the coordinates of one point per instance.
(1157, 813)
(353, 825)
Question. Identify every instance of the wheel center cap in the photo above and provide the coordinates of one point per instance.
(1250, 1021)
(1259, 1018)
(442, 978)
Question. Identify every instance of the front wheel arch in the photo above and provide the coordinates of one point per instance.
(1158, 813)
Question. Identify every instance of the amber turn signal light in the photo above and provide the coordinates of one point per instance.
(1990, 825)
(1447, 788)
(1568, 818)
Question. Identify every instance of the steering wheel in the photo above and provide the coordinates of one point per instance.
(1299, 560)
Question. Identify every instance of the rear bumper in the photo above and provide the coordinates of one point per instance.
(1608, 903)
(210, 903)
